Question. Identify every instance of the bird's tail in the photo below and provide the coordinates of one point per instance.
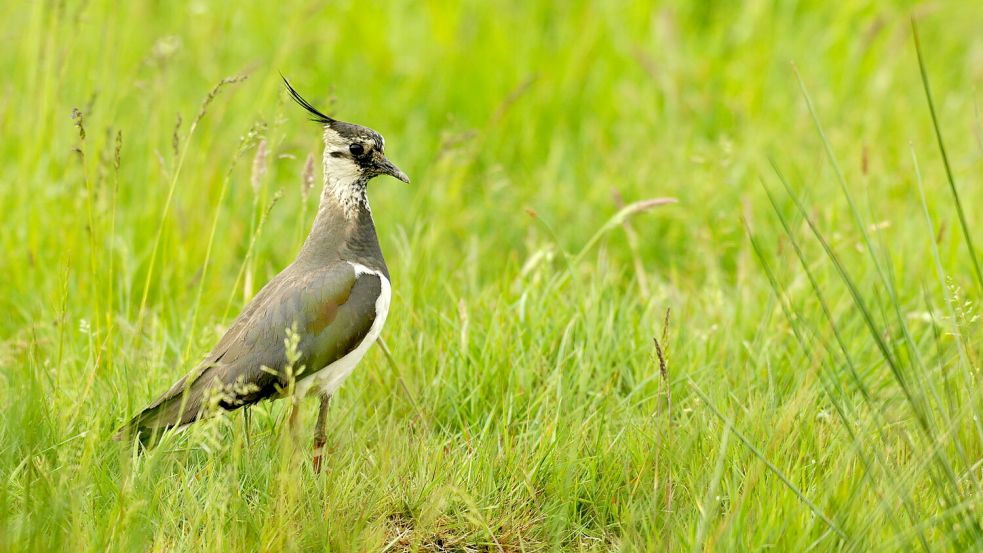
(185, 402)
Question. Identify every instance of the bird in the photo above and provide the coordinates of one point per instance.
(305, 331)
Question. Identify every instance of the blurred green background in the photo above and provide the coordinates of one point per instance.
(521, 405)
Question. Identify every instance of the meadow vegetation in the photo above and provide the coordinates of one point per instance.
(815, 386)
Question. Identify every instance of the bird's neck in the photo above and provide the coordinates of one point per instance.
(343, 229)
(345, 188)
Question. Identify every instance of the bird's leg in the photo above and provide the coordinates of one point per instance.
(320, 431)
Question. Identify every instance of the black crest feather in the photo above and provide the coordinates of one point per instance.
(316, 115)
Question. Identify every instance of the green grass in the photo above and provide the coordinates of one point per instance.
(823, 386)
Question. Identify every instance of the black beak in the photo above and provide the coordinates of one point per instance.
(386, 167)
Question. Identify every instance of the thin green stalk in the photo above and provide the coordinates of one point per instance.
(945, 158)
(172, 186)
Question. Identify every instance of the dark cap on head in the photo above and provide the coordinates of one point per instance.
(366, 147)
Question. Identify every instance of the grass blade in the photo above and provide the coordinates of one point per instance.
(945, 157)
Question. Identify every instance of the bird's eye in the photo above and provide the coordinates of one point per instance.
(356, 149)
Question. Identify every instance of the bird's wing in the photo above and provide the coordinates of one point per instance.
(331, 311)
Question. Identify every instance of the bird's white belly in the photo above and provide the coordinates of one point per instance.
(329, 379)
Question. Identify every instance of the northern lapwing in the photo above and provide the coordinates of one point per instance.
(331, 302)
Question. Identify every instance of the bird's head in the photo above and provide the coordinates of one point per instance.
(353, 154)
(358, 151)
